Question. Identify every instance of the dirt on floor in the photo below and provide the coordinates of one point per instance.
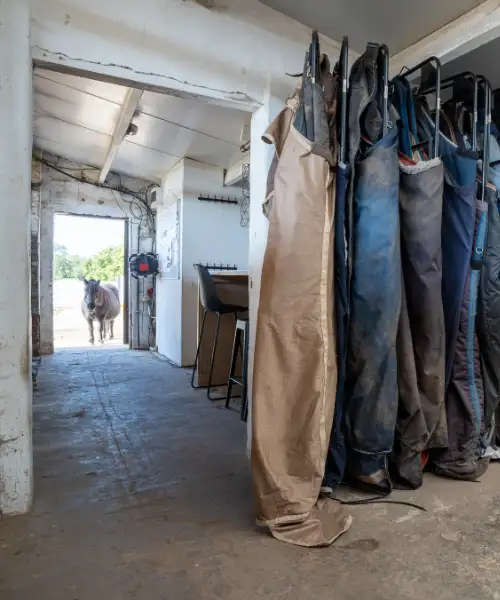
(143, 491)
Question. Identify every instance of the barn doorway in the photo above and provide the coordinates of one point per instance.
(86, 247)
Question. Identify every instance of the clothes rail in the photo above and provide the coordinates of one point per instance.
(419, 67)
(449, 82)
(314, 57)
(385, 77)
(487, 91)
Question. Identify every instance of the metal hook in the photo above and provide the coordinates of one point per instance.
(449, 82)
(432, 59)
(486, 133)
(315, 57)
(385, 78)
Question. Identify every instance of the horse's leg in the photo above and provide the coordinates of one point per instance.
(101, 331)
(105, 330)
(91, 330)
(111, 329)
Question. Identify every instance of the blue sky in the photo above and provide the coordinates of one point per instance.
(86, 236)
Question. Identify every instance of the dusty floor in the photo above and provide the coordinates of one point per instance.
(143, 491)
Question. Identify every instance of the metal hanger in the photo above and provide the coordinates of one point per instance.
(344, 70)
(449, 82)
(487, 91)
(406, 74)
(314, 57)
(384, 50)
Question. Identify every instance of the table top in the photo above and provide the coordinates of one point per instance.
(230, 273)
(234, 277)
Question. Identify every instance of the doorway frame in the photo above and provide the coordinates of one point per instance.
(126, 273)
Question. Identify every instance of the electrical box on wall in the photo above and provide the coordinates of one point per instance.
(143, 265)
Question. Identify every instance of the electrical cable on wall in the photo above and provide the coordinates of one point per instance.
(140, 198)
(139, 212)
(245, 197)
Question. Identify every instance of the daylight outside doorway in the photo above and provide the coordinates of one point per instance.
(85, 248)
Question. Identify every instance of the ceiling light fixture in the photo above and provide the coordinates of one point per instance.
(132, 129)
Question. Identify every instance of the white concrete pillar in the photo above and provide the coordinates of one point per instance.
(261, 155)
(16, 457)
(36, 180)
(46, 276)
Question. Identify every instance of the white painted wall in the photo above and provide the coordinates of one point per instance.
(46, 277)
(169, 291)
(210, 233)
(261, 155)
(63, 195)
(230, 54)
(16, 464)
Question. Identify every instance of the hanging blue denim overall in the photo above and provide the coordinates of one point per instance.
(374, 283)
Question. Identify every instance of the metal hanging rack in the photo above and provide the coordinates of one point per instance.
(219, 267)
(384, 51)
(314, 57)
(219, 199)
(419, 67)
(344, 71)
(487, 91)
(449, 82)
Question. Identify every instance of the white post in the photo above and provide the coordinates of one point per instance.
(46, 276)
(16, 457)
(261, 155)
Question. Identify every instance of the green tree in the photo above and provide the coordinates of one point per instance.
(63, 267)
(106, 265)
(67, 266)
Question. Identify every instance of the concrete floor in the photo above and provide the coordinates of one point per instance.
(143, 492)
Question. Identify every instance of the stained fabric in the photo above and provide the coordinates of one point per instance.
(336, 459)
(421, 419)
(374, 280)
(295, 371)
(375, 303)
(459, 206)
(488, 318)
(364, 120)
(463, 459)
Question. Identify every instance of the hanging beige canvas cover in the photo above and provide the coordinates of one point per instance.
(295, 371)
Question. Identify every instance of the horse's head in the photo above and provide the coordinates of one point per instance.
(91, 293)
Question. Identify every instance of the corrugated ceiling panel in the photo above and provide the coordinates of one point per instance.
(141, 162)
(73, 106)
(216, 121)
(100, 89)
(179, 142)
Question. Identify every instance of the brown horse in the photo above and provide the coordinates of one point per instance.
(101, 302)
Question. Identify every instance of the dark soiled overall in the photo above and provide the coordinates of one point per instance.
(336, 460)
(371, 381)
(464, 231)
(488, 317)
(421, 422)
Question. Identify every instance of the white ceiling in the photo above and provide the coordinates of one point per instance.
(397, 23)
(481, 61)
(75, 118)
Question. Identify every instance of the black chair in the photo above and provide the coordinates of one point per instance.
(239, 346)
(211, 303)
